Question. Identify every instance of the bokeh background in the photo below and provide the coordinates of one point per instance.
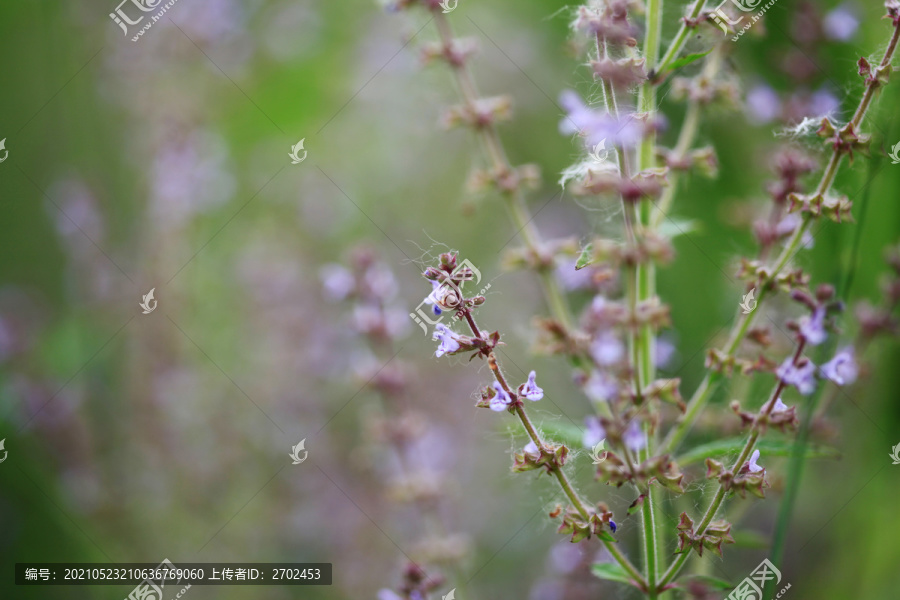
(163, 164)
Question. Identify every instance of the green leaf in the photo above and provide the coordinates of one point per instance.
(611, 572)
(766, 448)
(686, 60)
(673, 227)
(713, 582)
(585, 258)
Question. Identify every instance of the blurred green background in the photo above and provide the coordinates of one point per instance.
(163, 164)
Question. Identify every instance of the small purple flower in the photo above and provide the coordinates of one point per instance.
(842, 369)
(663, 352)
(751, 464)
(449, 340)
(530, 389)
(607, 349)
(634, 438)
(600, 387)
(594, 432)
(597, 126)
(612, 525)
(501, 399)
(813, 327)
(779, 406)
(789, 224)
(432, 298)
(841, 23)
(800, 377)
(822, 103)
(337, 281)
(531, 448)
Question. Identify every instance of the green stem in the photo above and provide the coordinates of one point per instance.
(679, 41)
(646, 284)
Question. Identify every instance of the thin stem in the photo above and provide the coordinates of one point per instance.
(564, 482)
(755, 432)
(677, 434)
(515, 202)
(684, 31)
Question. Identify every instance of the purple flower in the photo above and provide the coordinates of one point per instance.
(789, 224)
(842, 369)
(779, 406)
(597, 126)
(600, 387)
(607, 349)
(822, 103)
(800, 377)
(449, 340)
(337, 281)
(840, 24)
(663, 352)
(593, 432)
(530, 389)
(763, 104)
(612, 525)
(813, 327)
(501, 399)
(634, 438)
(432, 298)
(531, 448)
(751, 464)
(385, 594)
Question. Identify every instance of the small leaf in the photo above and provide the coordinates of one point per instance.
(637, 504)
(713, 582)
(686, 60)
(611, 572)
(606, 536)
(585, 258)
(766, 447)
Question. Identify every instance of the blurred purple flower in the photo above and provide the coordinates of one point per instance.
(663, 352)
(841, 23)
(822, 103)
(337, 281)
(385, 594)
(763, 104)
(600, 387)
(530, 389)
(594, 432)
(432, 298)
(634, 438)
(607, 349)
(842, 369)
(812, 327)
(597, 126)
(501, 400)
(789, 224)
(779, 406)
(800, 377)
(531, 448)
(449, 340)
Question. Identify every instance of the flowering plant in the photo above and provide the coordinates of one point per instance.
(613, 346)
